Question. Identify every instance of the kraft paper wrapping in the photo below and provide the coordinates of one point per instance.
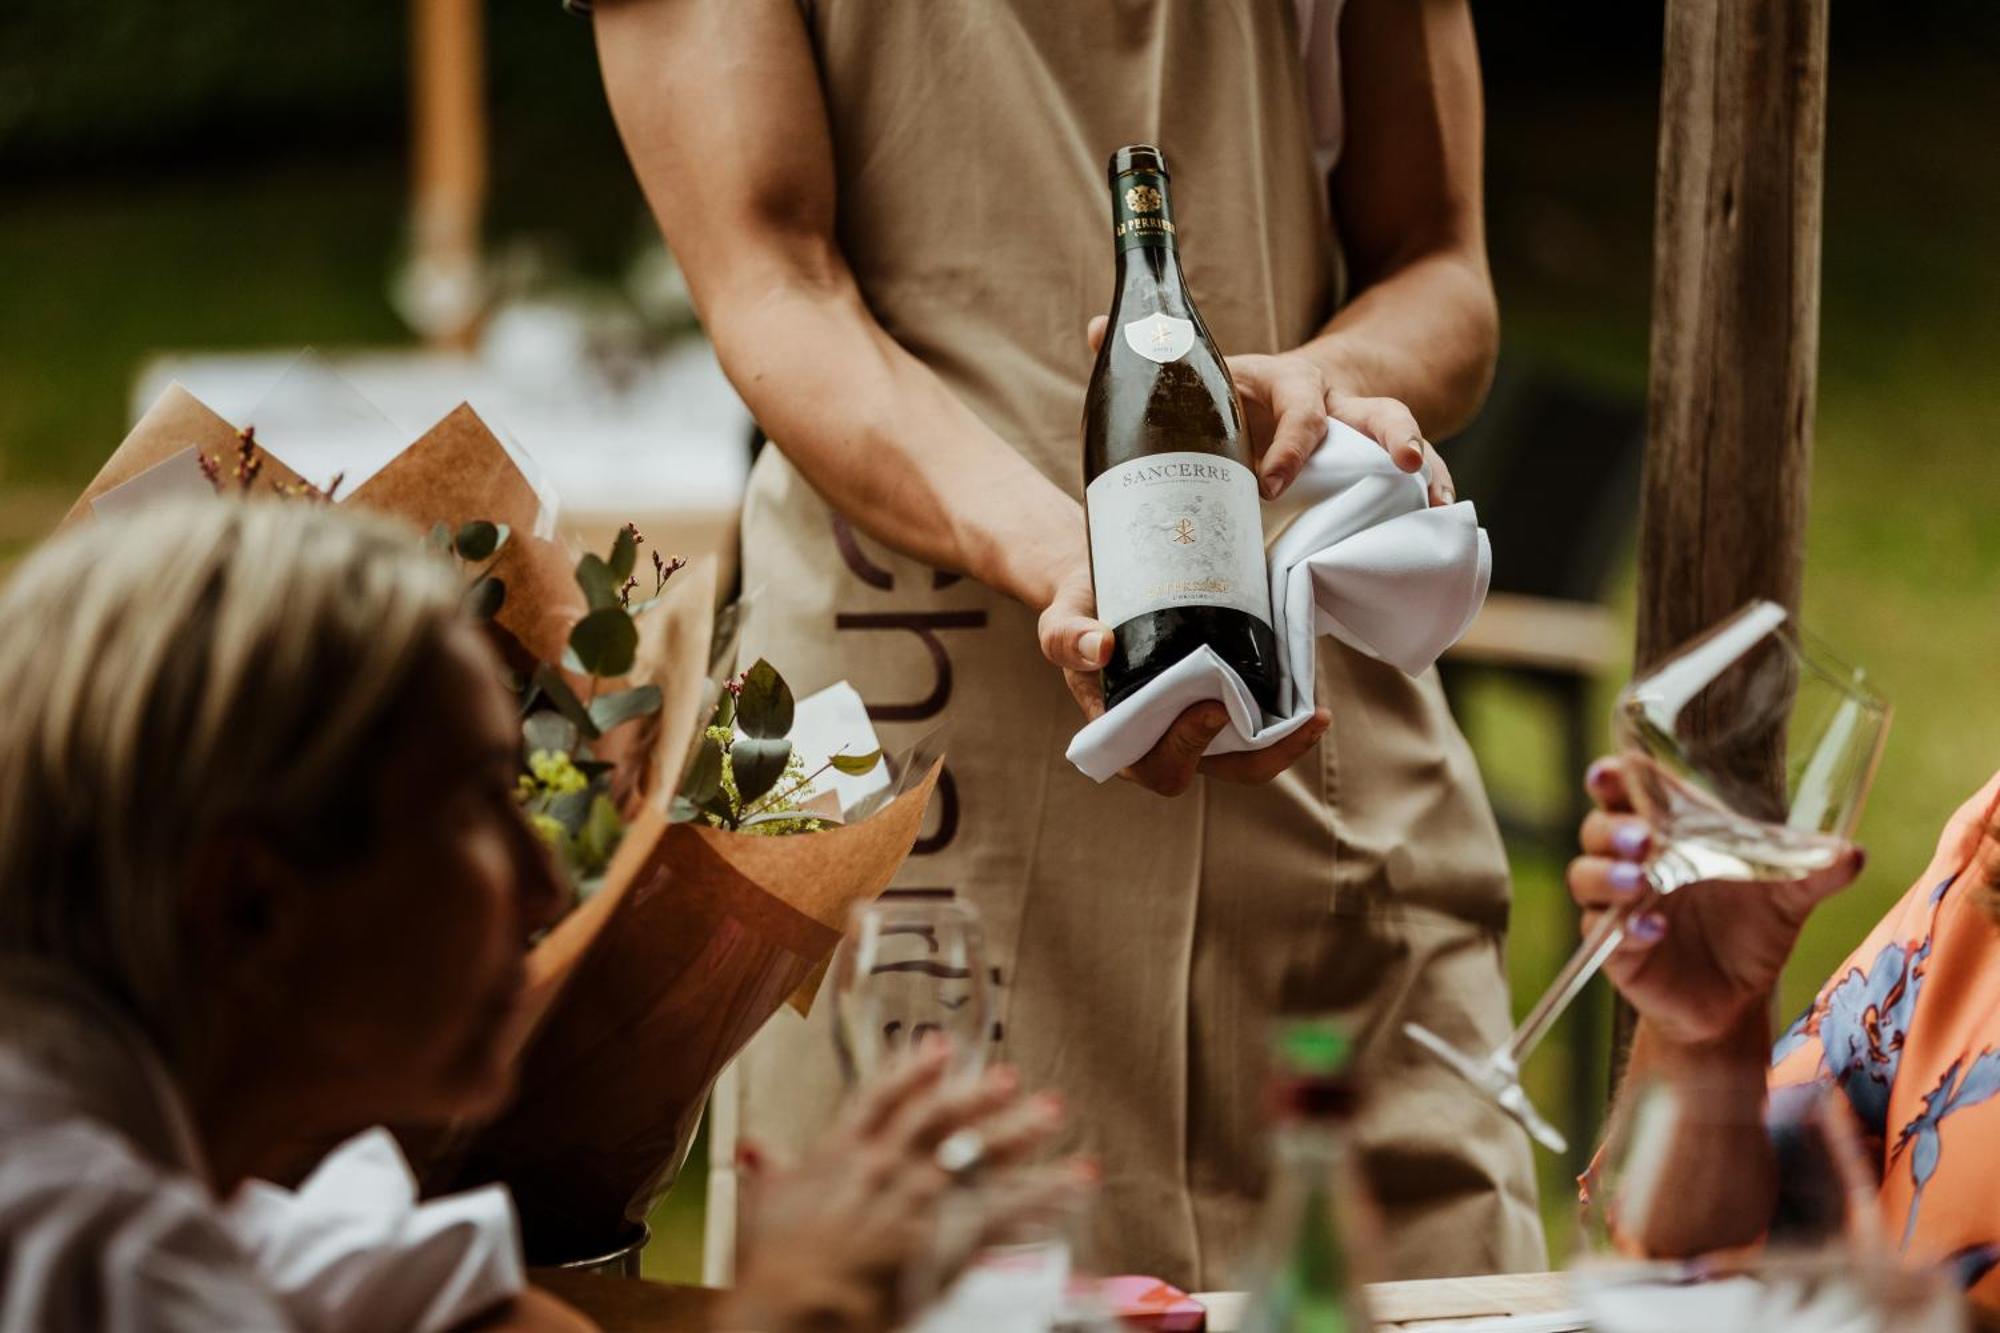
(642, 996)
(175, 423)
(636, 1000)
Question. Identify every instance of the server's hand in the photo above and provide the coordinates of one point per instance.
(1286, 400)
(1075, 640)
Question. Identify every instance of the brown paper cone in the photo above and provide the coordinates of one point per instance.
(641, 997)
(176, 422)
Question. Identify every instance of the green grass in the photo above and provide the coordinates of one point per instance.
(1903, 563)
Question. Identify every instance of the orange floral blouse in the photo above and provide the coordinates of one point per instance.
(1908, 1028)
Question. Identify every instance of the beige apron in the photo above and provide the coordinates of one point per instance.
(1142, 945)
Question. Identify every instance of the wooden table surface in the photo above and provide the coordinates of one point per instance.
(628, 1305)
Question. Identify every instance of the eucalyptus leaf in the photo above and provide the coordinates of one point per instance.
(725, 711)
(485, 598)
(600, 586)
(551, 683)
(550, 731)
(764, 709)
(683, 811)
(624, 553)
(477, 540)
(758, 762)
(854, 765)
(606, 640)
(608, 710)
(719, 806)
(704, 777)
(571, 662)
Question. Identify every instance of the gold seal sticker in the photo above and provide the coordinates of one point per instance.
(1143, 199)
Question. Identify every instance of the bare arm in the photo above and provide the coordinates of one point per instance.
(1416, 343)
(720, 107)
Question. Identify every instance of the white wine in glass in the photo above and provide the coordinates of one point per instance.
(1749, 752)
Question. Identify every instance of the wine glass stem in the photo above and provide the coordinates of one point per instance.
(1576, 974)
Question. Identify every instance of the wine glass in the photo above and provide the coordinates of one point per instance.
(1672, 1237)
(907, 968)
(1749, 752)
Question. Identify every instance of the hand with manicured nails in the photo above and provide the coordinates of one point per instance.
(827, 1242)
(1696, 961)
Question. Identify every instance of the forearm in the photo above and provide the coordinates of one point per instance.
(886, 442)
(1427, 334)
(1716, 1186)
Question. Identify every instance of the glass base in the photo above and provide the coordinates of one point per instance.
(1496, 1076)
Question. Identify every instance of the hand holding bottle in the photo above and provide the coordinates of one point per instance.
(1286, 400)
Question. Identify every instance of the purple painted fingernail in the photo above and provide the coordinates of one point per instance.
(1648, 927)
(1632, 841)
(1626, 877)
(1599, 774)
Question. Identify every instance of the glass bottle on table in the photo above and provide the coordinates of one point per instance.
(1176, 525)
(1316, 1237)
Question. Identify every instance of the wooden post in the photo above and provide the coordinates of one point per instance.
(448, 167)
(1735, 349)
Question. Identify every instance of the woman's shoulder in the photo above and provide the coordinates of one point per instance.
(95, 1234)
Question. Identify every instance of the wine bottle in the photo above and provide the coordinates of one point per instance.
(1176, 533)
(1315, 1240)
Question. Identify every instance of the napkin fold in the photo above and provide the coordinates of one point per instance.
(1364, 558)
(352, 1247)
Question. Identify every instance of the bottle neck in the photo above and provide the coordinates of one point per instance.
(1142, 229)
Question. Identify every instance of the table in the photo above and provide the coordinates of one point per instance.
(629, 1305)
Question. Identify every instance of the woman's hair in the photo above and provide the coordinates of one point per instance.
(202, 666)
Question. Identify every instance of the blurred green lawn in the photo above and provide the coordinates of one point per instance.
(1903, 570)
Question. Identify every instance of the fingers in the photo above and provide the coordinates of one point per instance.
(1036, 1198)
(1093, 332)
(907, 1078)
(1621, 837)
(1253, 767)
(1606, 784)
(1087, 688)
(1295, 396)
(1070, 634)
(924, 1122)
(1596, 882)
(1170, 766)
(1388, 422)
(1642, 933)
(1442, 491)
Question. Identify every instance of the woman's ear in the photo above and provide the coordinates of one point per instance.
(243, 910)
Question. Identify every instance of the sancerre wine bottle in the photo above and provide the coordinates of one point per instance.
(1176, 532)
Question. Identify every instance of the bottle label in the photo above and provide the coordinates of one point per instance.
(1177, 529)
(1140, 214)
(1160, 337)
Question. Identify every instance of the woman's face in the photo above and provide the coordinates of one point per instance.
(410, 961)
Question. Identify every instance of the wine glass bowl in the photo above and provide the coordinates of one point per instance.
(908, 968)
(1749, 752)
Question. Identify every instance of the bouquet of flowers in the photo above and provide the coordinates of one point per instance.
(713, 877)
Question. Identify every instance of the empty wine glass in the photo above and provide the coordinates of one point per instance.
(909, 967)
(1749, 752)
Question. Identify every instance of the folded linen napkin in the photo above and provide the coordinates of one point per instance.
(352, 1247)
(1366, 559)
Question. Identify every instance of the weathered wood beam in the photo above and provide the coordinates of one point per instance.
(1735, 345)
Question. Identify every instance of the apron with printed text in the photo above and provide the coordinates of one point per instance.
(1141, 946)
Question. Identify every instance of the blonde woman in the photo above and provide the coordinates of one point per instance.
(262, 885)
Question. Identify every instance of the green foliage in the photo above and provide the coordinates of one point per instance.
(745, 775)
(605, 641)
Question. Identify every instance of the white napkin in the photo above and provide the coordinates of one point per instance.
(1366, 560)
(352, 1248)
